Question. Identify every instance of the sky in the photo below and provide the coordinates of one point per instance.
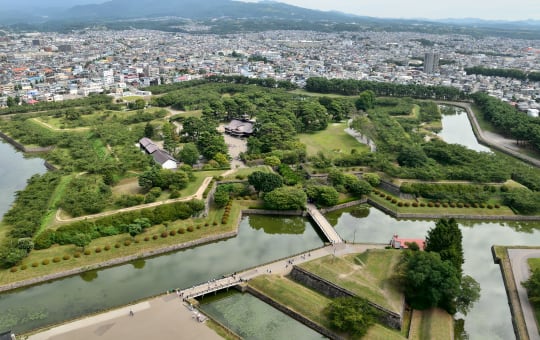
(430, 9)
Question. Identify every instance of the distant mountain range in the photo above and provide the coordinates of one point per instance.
(230, 15)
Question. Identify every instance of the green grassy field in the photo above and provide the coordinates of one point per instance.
(431, 324)
(369, 275)
(203, 227)
(309, 303)
(245, 172)
(331, 141)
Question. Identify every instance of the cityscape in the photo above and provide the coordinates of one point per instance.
(261, 170)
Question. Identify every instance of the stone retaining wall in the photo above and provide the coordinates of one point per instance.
(327, 288)
(456, 216)
(293, 314)
(118, 261)
(343, 206)
(23, 148)
(518, 321)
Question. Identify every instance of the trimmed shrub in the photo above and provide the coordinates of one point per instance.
(45, 262)
(388, 198)
(489, 206)
(66, 257)
(198, 227)
(482, 205)
(497, 206)
(172, 232)
(453, 205)
(107, 247)
(400, 204)
(476, 205)
(394, 200)
(437, 205)
(206, 224)
(98, 250)
(415, 204)
(223, 221)
(181, 230)
(87, 252)
(146, 238)
(430, 204)
(23, 267)
(127, 243)
(117, 245)
(164, 234)
(190, 229)
(445, 205)
(13, 269)
(407, 204)
(214, 223)
(422, 204)
(155, 237)
(56, 259)
(77, 255)
(467, 205)
(35, 264)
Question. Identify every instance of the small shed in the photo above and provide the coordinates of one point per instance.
(164, 159)
(403, 243)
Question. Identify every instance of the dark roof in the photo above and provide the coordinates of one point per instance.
(240, 127)
(145, 141)
(161, 157)
(6, 335)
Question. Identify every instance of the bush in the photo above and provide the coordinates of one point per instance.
(388, 198)
(155, 237)
(164, 234)
(172, 232)
(415, 204)
(98, 250)
(497, 206)
(422, 204)
(452, 205)
(190, 229)
(406, 204)
(445, 205)
(66, 257)
(35, 264)
(107, 247)
(117, 245)
(206, 224)
(77, 255)
(198, 227)
(87, 252)
(181, 230)
(430, 204)
(467, 205)
(394, 200)
(214, 223)
(400, 204)
(482, 205)
(56, 259)
(23, 267)
(45, 262)
(437, 205)
(127, 243)
(489, 206)
(13, 269)
(476, 205)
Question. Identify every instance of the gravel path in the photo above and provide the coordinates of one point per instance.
(520, 270)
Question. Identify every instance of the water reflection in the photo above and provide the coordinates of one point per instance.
(490, 317)
(89, 276)
(457, 130)
(138, 264)
(286, 225)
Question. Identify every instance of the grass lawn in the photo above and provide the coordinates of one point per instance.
(503, 210)
(245, 172)
(431, 324)
(369, 275)
(136, 247)
(192, 187)
(309, 303)
(331, 141)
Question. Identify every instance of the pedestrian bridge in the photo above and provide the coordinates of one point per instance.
(210, 287)
(321, 221)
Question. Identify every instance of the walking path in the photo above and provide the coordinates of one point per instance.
(197, 195)
(170, 318)
(323, 224)
(494, 140)
(521, 272)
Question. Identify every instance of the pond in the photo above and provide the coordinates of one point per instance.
(15, 170)
(261, 239)
(490, 317)
(457, 129)
(251, 318)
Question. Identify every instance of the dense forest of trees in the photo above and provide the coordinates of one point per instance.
(503, 72)
(355, 87)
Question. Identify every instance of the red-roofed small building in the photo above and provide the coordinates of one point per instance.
(402, 243)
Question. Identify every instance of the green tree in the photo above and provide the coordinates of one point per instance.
(13, 257)
(469, 293)
(81, 240)
(366, 100)
(430, 282)
(148, 130)
(352, 315)
(189, 154)
(272, 161)
(25, 243)
(134, 229)
(533, 286)
(323, 195)
(446, 239)
(372, 178)
(285, 198)
(265, 182)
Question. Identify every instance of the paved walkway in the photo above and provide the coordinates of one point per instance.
(165, 318)
(520, 270)
(323, 224)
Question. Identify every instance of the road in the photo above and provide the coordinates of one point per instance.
(520, 270)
